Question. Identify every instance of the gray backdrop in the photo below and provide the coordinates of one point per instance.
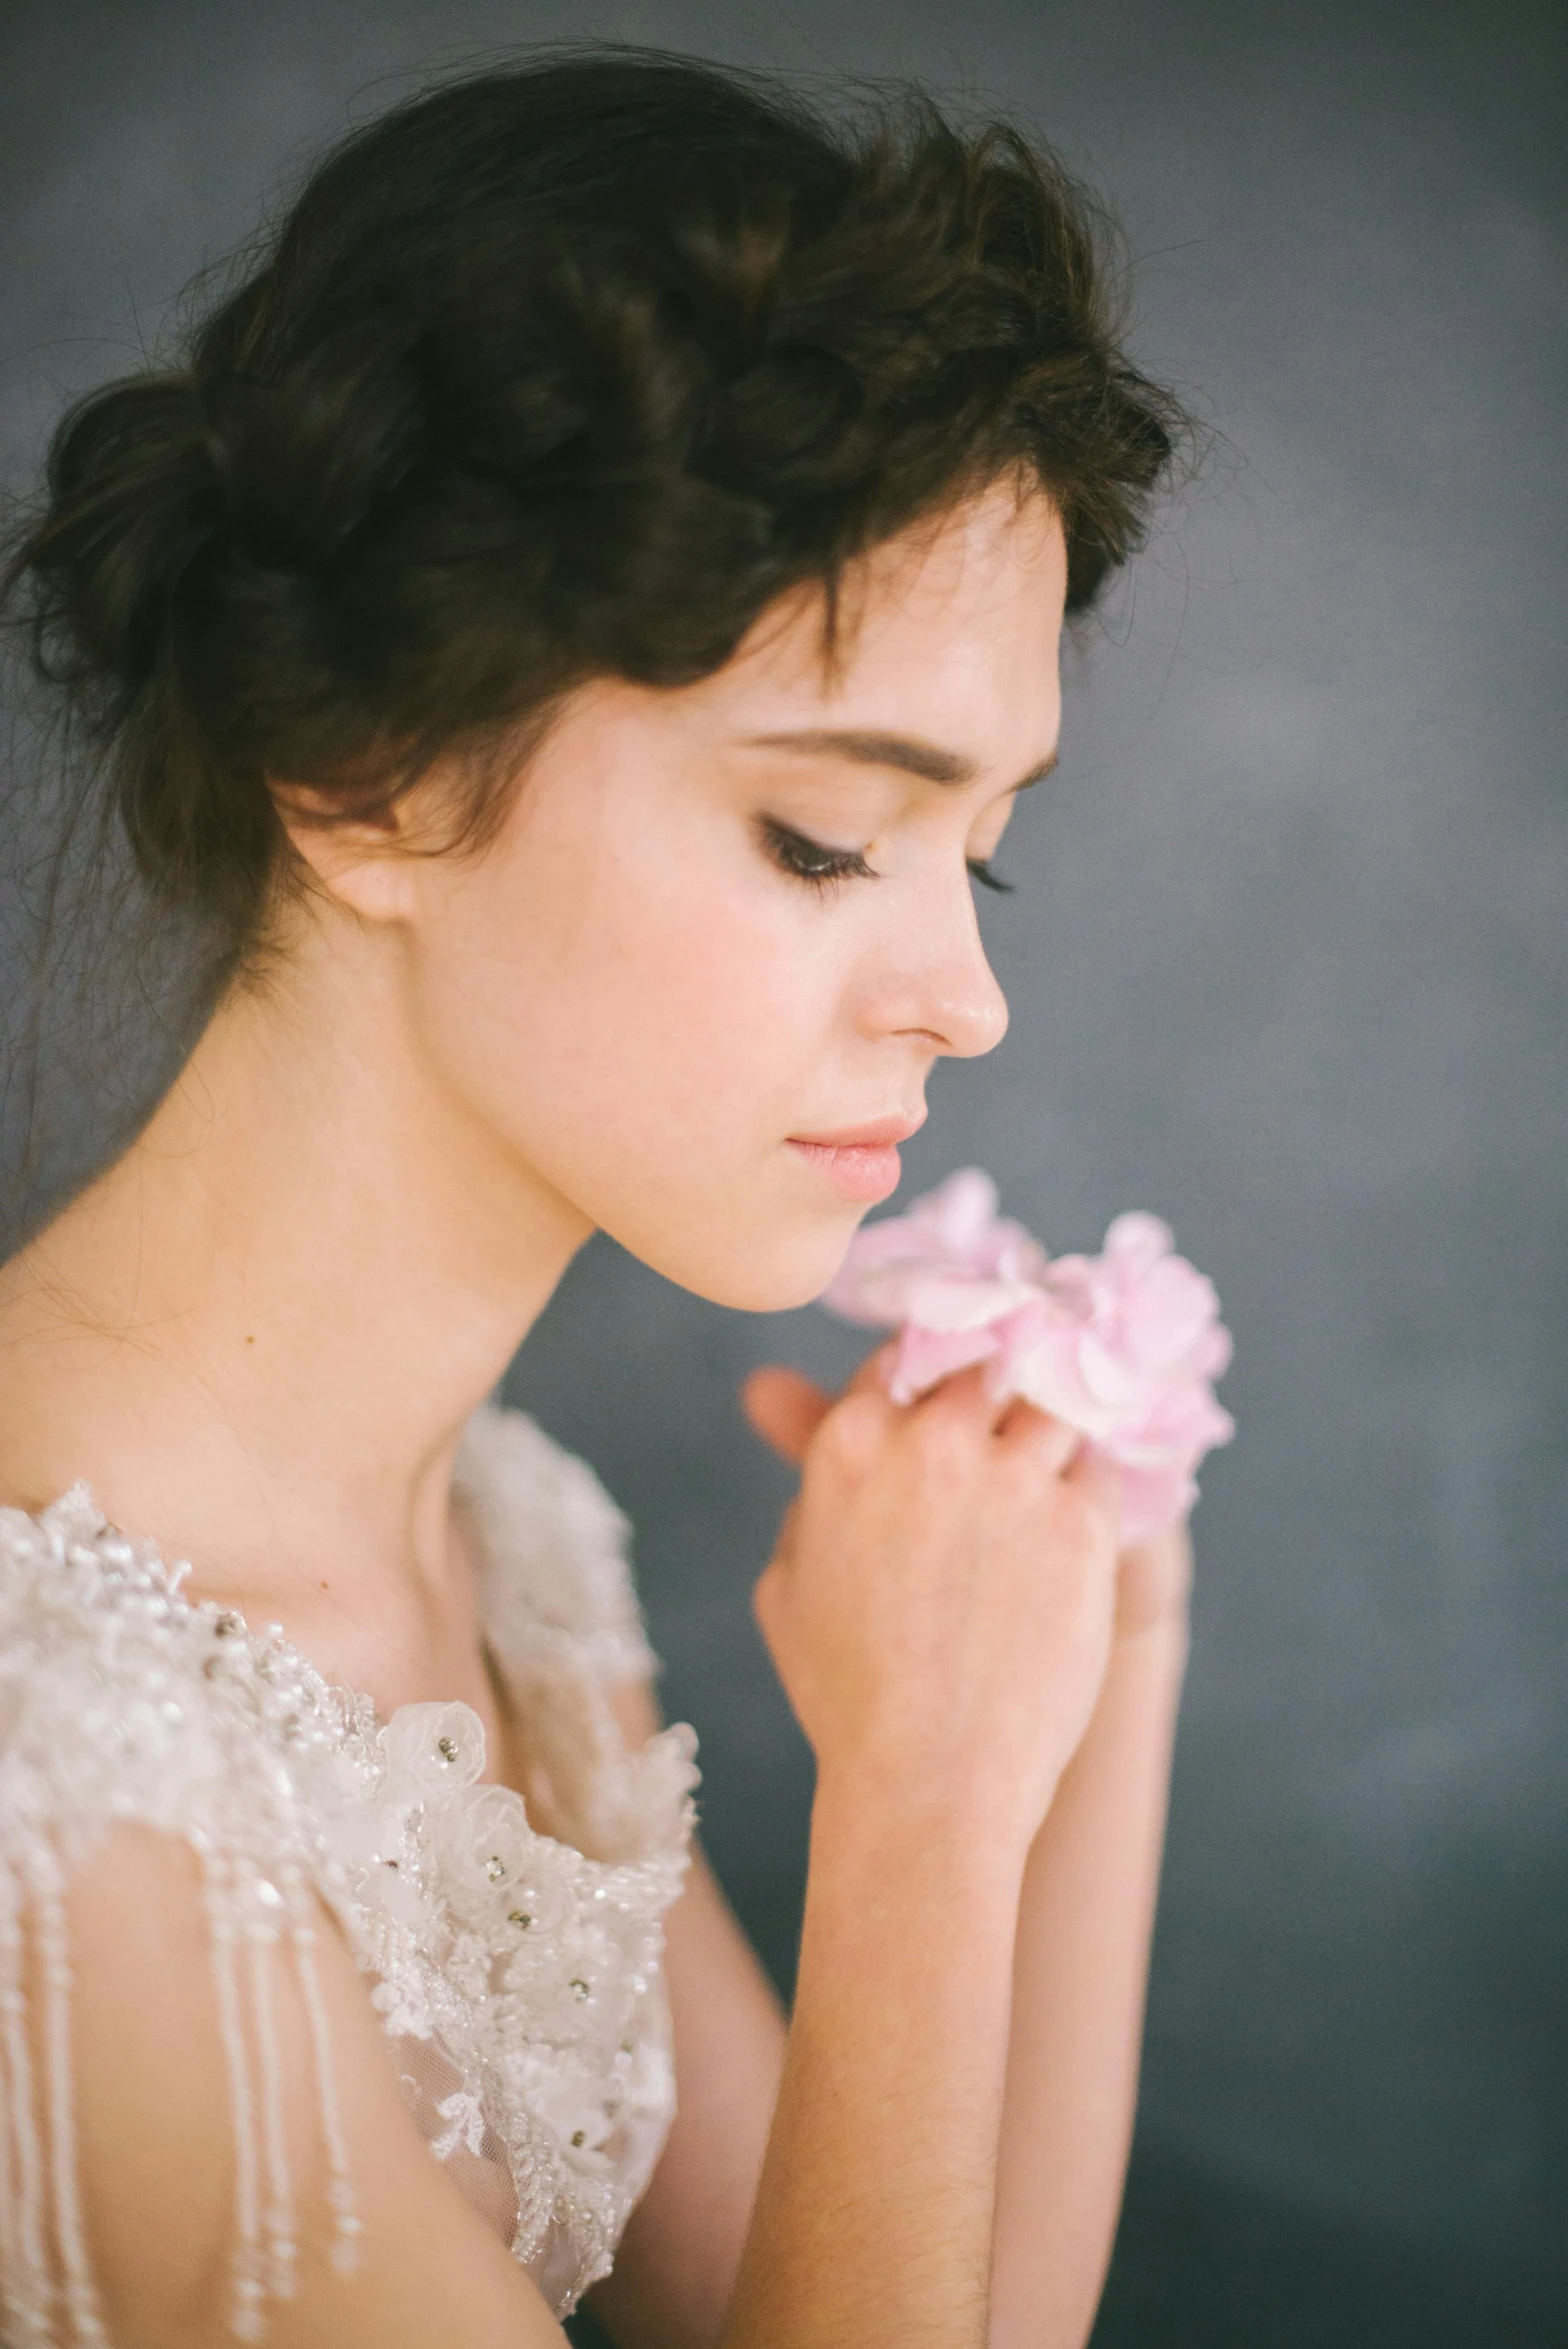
(1287, 962)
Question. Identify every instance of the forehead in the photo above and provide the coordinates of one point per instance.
(949, 630)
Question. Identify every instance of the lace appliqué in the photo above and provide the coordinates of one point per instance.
(517, 1973)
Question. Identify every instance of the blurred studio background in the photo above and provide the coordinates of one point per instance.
(1287, 959)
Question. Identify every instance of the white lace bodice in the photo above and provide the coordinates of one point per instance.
(516, 1973)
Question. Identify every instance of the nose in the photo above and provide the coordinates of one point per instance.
(940, 988)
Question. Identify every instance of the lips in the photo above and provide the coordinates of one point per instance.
(860, 1162)
(877, 1134)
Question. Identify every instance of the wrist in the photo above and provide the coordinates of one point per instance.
(953, 1829)
(903, 1899)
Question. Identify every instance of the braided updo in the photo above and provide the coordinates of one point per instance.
(559, 371)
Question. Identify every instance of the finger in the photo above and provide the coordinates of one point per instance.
(1154, 1580)
(784, 1548)
(785, 1408)
(965, 1395)
(1097, 1478)
(874, 1372)
(1023, 1427)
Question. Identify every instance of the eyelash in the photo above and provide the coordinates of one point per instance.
(809, 861)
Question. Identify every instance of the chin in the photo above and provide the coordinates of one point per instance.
(773, 1272)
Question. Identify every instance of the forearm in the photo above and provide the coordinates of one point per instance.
(1085, 1918)
(874, 2217)
(675, 2268)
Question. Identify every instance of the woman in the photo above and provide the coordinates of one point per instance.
(576, 619)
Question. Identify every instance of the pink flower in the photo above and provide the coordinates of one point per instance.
(1123, 1346)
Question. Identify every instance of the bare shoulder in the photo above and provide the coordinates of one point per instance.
(181, 2237)
(201, 2098)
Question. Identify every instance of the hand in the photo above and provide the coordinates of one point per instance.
(1154, 1583)
(1153, 1578)
(940, 1604)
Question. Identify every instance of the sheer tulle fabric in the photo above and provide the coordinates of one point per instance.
(516, 1973)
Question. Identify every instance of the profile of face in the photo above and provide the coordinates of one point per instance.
(696, 982)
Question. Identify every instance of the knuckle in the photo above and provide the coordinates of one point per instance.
(1029, 1493)
(1078, 1556)
(1023, 1471)
(962, 1398)
(943, 1439)
(854, 1426)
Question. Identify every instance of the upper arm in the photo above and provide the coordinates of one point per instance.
(207, 2126)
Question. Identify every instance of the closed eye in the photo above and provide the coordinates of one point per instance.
(811, 860)
(805, 859)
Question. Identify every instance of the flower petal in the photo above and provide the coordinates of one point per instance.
(1122, 1346)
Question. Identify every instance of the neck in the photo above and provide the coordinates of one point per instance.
(259, 1333)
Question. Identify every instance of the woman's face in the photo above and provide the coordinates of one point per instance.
(696, 984)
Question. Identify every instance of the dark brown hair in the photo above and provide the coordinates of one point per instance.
(557, 371)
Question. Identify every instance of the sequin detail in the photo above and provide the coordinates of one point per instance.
(516, 1972)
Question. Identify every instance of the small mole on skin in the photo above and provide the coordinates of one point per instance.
(250, 1341)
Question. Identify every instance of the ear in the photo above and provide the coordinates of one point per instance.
(366, 865)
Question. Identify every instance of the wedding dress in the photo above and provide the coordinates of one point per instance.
(516, 1974)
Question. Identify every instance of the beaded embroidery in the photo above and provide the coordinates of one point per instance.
(517, 1973)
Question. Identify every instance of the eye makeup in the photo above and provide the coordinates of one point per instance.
(812, 861)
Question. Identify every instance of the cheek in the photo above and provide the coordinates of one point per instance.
(624, 1007)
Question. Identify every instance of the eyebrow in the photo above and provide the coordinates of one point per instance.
(911, 753)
